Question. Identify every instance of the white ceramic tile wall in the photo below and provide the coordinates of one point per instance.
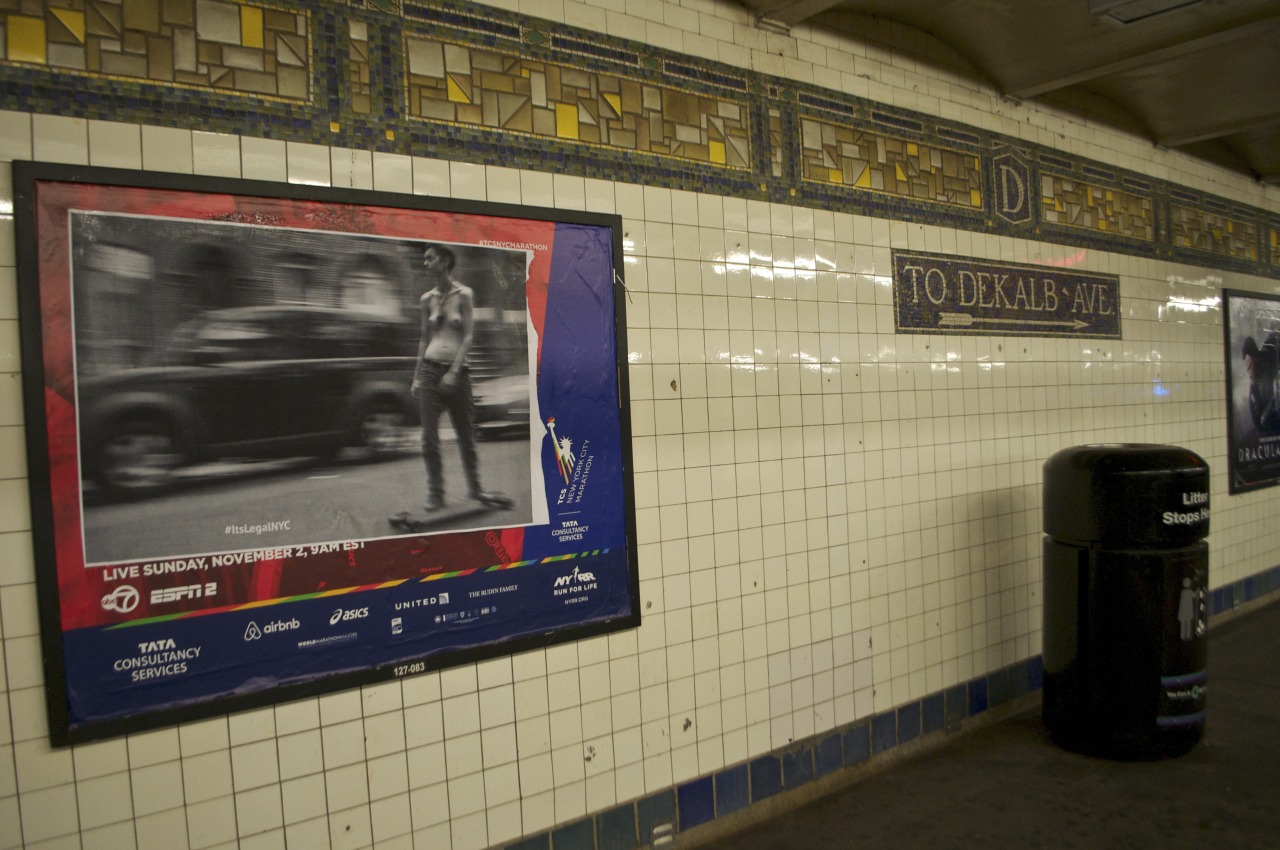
(832, 519)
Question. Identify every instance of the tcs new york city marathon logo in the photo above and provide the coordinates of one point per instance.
(574, 466)
(563, 448)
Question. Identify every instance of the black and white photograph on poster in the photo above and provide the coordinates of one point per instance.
(281, 386)
(1252, 340)
(248, 406)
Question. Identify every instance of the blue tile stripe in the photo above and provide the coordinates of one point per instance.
(737, 787)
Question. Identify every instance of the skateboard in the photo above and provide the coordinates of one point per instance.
(418, 521)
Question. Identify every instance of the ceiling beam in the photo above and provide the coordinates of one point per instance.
(1204, 134)
(1252, 29)
(791, 12)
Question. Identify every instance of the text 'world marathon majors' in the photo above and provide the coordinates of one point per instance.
(956, 295)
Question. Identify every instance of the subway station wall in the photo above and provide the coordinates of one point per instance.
(837, 523)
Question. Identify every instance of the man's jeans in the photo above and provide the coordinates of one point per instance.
(431, 403)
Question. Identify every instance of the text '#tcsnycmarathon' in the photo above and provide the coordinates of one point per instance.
(519, 246)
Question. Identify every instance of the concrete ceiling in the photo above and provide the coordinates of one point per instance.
(1203, 79)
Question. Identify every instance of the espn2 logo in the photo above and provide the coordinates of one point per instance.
(161, 595)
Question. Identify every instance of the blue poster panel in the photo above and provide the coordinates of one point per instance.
(285, 440)
(1252, 340)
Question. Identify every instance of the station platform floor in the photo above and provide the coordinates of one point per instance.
(1006, 785)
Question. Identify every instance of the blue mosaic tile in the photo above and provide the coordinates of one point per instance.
(857, 744)
(977, 696)
(957, 703)
(537, 842)
(595, 48)
(575, 836)
(909, 722)
(655, 811)
(696, 802)
(827, 755)
(616, 829)
(933, 709)
(1035, 673)
(766, 777)
(797, 767)
(1019, 677)
(884, 732)
(998, 691)
(733, 790)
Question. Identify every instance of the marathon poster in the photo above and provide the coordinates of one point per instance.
(285, 440)
(1252, 339)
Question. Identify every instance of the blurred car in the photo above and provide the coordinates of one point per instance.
(249, 383)
(501, 406)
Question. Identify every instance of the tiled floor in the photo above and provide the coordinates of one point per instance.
(1008, 786)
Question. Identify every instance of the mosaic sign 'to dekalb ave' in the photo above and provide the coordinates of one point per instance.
(937, 294)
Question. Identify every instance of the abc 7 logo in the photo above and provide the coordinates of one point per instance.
(123, 599)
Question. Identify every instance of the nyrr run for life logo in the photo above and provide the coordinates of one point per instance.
(574, 466)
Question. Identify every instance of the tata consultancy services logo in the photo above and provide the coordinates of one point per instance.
(123, 599)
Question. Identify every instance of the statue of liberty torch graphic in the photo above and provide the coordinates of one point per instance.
(563, 448)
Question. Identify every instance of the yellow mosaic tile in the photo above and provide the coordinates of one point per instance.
(141, 15)
(251, 32)
(468, 85)
(25, 39)
(249, 48)
(849, 156)
(72, 26)
(1207, 231)
(1065, 200)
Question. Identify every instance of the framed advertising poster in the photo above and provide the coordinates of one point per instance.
(284, 440)
(1252, 339)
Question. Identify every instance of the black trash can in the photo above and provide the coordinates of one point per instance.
(1125, 599)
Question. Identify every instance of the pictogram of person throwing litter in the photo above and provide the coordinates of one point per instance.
(1189, 604)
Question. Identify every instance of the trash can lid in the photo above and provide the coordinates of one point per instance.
(1127, 494)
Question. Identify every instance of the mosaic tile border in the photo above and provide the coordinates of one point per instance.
(250, 47)
(652, 820)
(359, 96)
